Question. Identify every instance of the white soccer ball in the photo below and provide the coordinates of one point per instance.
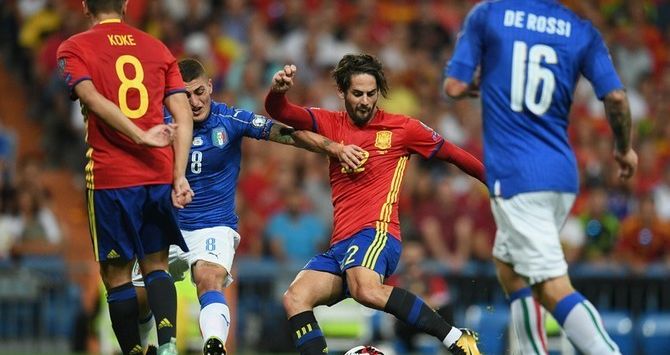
(364, 349)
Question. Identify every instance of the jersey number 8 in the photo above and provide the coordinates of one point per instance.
(134, 83)
(535, 73)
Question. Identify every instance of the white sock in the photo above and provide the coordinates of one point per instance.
(147, 333)
(528, 322)
(582, 323)
(452, 336)
(214, 316)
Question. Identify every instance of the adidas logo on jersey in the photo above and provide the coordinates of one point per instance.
(164, 323)
(113, 254)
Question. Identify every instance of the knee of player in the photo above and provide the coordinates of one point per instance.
(365, 294)
(210, 278)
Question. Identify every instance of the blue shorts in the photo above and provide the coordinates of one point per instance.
(376, 251)
(133, 221)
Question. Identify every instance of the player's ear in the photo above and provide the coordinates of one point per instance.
(210, 87)
(123, 9)
(340, 93)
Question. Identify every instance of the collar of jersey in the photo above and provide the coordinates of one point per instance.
(111, 20)
(209, 122)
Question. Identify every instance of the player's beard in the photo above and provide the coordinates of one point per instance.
(360, 114)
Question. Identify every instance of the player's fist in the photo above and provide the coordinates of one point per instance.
(158, 136)
(181, 192)
(283, 79)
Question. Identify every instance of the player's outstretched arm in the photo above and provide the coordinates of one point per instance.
(180, 109)
(279, 108)
(349, 155)
(157, 136)
(617, 110)
(462, 159)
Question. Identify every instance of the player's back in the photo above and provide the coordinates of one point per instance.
(532, 54)
(136, 72)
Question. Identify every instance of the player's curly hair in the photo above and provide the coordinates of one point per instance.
(352, 64)
(101, 6)
(191, 69)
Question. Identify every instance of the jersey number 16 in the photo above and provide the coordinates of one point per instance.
(535, 74)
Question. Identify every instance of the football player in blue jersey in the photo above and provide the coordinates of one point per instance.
(529, 55)
(209, 222)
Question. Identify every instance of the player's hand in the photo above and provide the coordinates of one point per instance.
(181, 192)
(351, 156)
(283, 79)
(159, 136)
(627, 163)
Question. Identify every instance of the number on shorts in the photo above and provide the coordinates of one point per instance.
(349, 257)
(210, 244)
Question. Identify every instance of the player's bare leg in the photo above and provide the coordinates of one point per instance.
(214, 316)
(122, 301)
(310, 289)
(366, 287)
(525, 312)
(162, 297)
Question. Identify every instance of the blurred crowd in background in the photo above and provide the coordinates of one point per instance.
(284, 196)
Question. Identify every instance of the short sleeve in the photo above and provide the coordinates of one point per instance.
(254, 125)
(71, 65)
(468, 50)
(598, 68)
(422, 139)
(173, 80)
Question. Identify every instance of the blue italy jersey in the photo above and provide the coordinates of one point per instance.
(214, 165)
(531, 55)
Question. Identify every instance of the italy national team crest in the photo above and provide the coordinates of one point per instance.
(383, 139)
(219, 137)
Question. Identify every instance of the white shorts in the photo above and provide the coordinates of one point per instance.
(215, 245)
(528, 233)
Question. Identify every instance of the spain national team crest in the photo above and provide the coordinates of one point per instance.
(219, 137)
(383, 139)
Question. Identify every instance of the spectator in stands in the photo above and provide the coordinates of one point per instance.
(600, 227)
(645, 238)
(445, 231)
(37, 231)
(295, 235)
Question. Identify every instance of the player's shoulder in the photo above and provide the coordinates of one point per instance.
(223, 112)
(395, 119)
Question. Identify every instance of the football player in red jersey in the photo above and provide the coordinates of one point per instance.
(123, 77)
(365, 245)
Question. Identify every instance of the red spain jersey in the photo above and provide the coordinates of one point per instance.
(368, 196)
(136, 72)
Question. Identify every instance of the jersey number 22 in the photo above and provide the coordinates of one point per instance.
(532, 75)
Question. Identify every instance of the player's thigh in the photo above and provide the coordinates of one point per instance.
(115, 221)
(315, 288)
(371, 248)
(211, 254)
(528, 233)
(160, 226)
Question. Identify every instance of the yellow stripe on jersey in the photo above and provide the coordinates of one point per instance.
(90, 183)
(111, 20)
(381, 236)
(91, 222)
